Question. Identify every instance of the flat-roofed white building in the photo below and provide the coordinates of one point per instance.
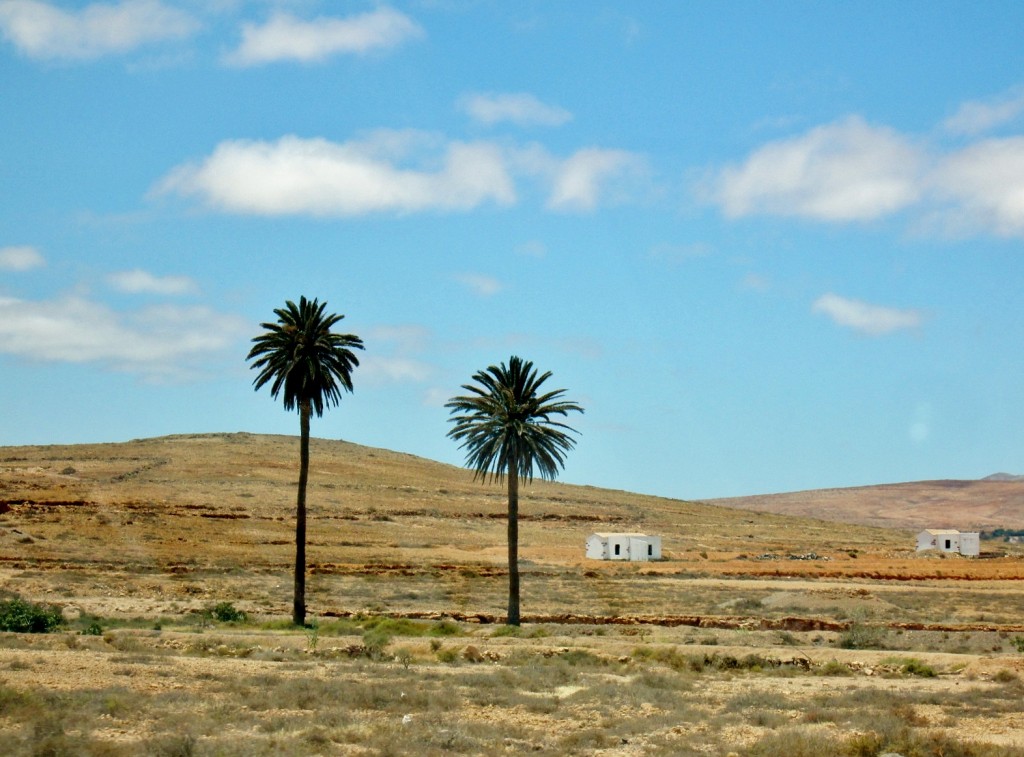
(966, 543)
(624, 546)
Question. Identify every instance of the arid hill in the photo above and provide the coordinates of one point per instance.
(236, 493)
(993, 502)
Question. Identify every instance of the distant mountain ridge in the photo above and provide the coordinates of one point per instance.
(996, 501)
(1003, 477)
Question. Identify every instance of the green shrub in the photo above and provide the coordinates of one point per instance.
(917, 668)
(507, 631)
(834, 668)
(447, 654)
(445, 628)
(25, 617)
(225, 612)
(1018, 643)
(395, 626)
(376, 641)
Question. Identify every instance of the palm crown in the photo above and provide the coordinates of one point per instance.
(506, 424)
(303, 358)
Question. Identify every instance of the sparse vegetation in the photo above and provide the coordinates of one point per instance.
(862, 636)
(693, 656)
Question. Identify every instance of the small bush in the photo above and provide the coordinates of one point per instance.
(860, 636)
(447, 654)
(917, 668)
(834, 668)
(1005, 676)
(225, 612)
(507, 631)
(20, 616)
(376, 641)
(1018, 643)
(445, 628)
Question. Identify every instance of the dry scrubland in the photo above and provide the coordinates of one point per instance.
(153, 549)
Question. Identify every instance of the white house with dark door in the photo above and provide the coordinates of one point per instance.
(633, 547)
(966, 543)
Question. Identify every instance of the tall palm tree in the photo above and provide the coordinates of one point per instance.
(310, 365)
(506, 427)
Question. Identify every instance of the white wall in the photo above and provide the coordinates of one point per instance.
(965, 543)
(634, 547)
(970, 543)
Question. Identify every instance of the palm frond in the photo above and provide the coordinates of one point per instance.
(302, 358)
(505, 421)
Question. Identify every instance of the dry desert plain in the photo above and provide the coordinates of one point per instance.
(759, 634)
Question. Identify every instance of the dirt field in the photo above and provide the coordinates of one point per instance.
(759, 634)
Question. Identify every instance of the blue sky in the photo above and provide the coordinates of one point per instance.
(768, 246)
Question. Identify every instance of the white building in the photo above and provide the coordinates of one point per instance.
(949, 540)
(634, 547)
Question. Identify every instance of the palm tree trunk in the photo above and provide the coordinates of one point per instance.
(299, 599)
(513, 543)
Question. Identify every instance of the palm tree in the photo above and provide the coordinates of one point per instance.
(506, 427)
(303, 359)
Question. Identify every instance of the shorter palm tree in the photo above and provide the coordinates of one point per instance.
(505, 425)
(310, 365)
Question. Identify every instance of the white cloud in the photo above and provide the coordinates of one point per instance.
(408, 337)
(322, 178)
(754, 282)
(20, 258)
(41, 30)
(844, 171)
(389, 356)
(480, 284)
(383, 369)
(143, 282)
(521, 108)
(976, 117)
(284, 37)
(921, 427)
(674, 254)
(162, 342)
(985, 185)
(583, 179)
(873, 320)
(533, 249)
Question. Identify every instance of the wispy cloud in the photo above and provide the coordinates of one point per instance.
(41, 30)
(844, 171)
(590, 176)
(392, 369)
(391, 356)
(20, 258)
(976, 117)
(143, 282)
(520, 108)
(480, 284)
(533, 249)
(873, 320)
(754, 282)
(983, 188)
(163, 343)
(285, 37)
(317, 177)
(674, 254)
